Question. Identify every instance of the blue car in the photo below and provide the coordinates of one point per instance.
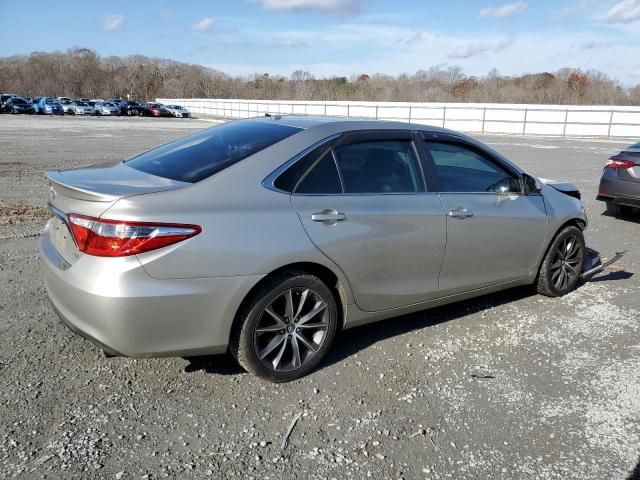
(48, 106)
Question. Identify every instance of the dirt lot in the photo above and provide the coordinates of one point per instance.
(512, 385)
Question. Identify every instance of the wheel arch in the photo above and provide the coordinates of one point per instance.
(334, 281)
(572, 222)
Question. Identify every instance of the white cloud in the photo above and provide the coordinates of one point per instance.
(626, 11)
(503, 11)
(335, 7)
(478, 48)
(369, 52)
(203, 25)
(112, 22)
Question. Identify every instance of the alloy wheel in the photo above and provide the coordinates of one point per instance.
(291, 329)
(567, 263)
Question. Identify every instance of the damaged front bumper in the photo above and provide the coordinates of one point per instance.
(593, 263)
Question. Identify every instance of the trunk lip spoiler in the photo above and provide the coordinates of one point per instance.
(55, 177)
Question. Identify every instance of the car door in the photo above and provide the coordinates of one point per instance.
(495, 233)
(364, 204)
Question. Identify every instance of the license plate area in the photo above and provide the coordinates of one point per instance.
(62, 240)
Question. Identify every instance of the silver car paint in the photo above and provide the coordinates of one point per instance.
(390, 246)
(183, 298)
(507, 232)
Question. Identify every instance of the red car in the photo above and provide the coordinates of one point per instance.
(155, 110)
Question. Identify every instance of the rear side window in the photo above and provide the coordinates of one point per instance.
(323, 177)
(383, 166)
(288, 180)
(198, 156)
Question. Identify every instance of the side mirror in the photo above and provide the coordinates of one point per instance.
(530, 185)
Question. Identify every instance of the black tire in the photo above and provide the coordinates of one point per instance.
(244, 338)
(549, 280)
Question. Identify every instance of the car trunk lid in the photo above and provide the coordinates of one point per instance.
(91, 191)
(632, 172)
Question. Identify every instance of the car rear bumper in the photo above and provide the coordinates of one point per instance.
(614, 190)
(116, 305)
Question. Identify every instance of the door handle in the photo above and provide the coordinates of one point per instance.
(461, 213)
(328, 217)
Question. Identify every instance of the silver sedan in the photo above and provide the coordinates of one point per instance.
(266, 237)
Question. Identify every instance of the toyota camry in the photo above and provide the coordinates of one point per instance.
(266, 237)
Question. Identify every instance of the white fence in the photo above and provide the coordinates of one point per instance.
(514, 119)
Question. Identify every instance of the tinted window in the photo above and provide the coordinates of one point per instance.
(18, 101)
(460, 169)
(323, 178)
(288, 180)
(386, 166)
(198, 156)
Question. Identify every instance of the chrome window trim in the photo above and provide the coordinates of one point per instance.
(362, 194)
(269, 181)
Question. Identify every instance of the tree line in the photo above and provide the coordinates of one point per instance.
(81, 72)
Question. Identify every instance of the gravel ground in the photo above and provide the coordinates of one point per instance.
(511, 385)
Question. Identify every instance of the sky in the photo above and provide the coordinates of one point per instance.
(340, 37)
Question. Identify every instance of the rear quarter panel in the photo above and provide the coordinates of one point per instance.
(247, 229)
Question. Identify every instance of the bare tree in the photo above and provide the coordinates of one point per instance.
(81, 72)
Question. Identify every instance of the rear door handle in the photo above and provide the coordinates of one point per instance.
(461, 213)
(329, 217)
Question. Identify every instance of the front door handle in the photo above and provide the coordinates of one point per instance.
(328, 217)
(461, 213)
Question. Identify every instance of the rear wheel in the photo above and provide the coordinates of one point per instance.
(286, 328)
(562, 265)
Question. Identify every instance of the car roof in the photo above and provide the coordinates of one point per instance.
(343, 123)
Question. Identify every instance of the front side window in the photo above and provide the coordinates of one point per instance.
(198, 156)
(380, 166)
(460, 169)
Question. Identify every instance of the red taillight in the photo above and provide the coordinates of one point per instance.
(620, 163)
(116, 238)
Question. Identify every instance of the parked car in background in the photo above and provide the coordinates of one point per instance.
(34, 103)
(178, 111)
(3, 99)
(116, 101)
(17, 105)
(65, 104)
(155, 110)
(78, 107)
(159, 254)
(64, 99)
(49, 106)
(620, 182)
(106, 108)
(131, 108)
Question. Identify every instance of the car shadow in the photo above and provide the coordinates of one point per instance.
(223, 364)
(635, 473)
(631, 217)
(617, 275)
(352, 341)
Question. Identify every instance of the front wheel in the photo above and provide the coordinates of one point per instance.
(562, 265)
(286, 327)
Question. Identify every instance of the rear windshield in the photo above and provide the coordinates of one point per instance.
(198, 156)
